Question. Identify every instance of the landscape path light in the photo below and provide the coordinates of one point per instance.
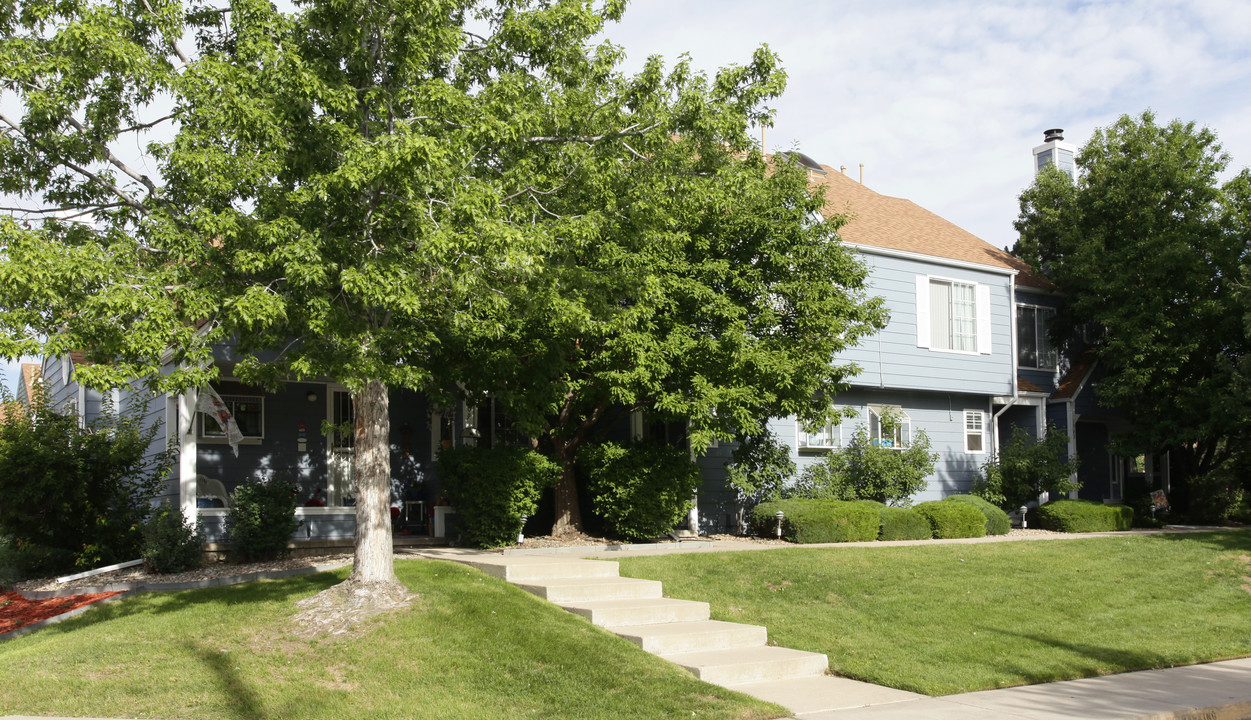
(1024, 510)
(780, 516)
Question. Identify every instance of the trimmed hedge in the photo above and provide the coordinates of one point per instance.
(952, 519)
(1085, 516)
(903, 524)
(818, 521)
(997, 522)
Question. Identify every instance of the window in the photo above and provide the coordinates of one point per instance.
(249, 414)
(1033, 343)
(823, 438)
(343, 417)
(953, 315)
(974, 431)
(889, 426)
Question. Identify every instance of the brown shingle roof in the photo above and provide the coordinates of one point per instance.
(897, 224)
(1026, 386)
(31, 373)
(1072, 381)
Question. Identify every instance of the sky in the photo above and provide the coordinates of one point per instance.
(943, 100)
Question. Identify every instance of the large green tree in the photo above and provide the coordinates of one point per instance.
(348, 190)
(700, 286)
(1146, 246)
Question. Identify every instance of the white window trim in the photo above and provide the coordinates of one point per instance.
(981, 298)
(201, 437)
(981, 421)
(835, 435)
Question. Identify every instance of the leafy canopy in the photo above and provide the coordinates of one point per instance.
(1147, 246)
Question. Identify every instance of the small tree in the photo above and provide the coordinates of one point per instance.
(262, 518)
(758, 470)
(76, 495)
(866, 470)
(1026, 468)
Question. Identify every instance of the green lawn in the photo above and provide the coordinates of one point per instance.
(942, 619)
(472, 647)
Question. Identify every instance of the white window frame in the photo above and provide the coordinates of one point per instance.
(902, 438)
(975, 426)
(204, 434)
(1041, 337)
(829, 437)
(982, 344)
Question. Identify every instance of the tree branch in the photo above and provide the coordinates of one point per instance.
(628, 132)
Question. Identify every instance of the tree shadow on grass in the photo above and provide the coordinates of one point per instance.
(1088, 661)
(1233, 539)
(243, 701)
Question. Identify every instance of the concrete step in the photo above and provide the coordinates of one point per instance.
(583, 589)
(824, 694)
(698, 636)
(746, 665)
(619, 613)
(521, 569)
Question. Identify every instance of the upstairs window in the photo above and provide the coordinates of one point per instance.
(890, 427)
(1033, 343)
(953, 315)
(823, 438)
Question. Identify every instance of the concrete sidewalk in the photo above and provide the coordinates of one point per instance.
(1213, 691)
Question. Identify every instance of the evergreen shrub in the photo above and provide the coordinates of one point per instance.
(1085, 516)
(952, 519)
(641, 491)
(170, 543)
(903, 524)
(261, 518)
(818, 521)
(492, 488)
(997, 522)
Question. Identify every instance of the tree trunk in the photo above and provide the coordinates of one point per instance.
(374, 557)
(568, 512)
(372, 588)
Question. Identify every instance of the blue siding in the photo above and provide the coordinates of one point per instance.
(892, 359)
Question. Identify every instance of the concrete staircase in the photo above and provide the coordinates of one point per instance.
(732, 655)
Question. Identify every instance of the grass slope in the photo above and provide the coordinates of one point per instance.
(943, 619)
(472, 647)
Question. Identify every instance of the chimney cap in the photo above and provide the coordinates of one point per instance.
(1053, 134)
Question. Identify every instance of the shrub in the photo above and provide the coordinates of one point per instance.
(1026, 468)
(170, 543)
(641, 491)
(74, 496)
(865, 471)
(1217, 495)
(997, 522)
(1085, 516)
(262, 518)
(818, 521)
(952, 519)
(492, 488)
(903, 524)
(758, 469)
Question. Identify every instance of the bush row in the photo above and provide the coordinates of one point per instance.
(1085, 516)
(823, 521)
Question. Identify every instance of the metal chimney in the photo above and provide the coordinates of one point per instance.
(1053, 134)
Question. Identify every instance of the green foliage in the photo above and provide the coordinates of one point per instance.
(818, 521)
(952, 519)
(903, 524)
(641, 491)
(1150, 246)
(865, 471)
(75, 496)
(997, 522)
(759, 467)
(492, 488)
(1085, 516)
(261, 518)
(1025, 468)
(170, 543)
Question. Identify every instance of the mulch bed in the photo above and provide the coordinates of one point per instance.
(18, 612)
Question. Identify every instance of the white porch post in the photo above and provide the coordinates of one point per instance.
(186, 455)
